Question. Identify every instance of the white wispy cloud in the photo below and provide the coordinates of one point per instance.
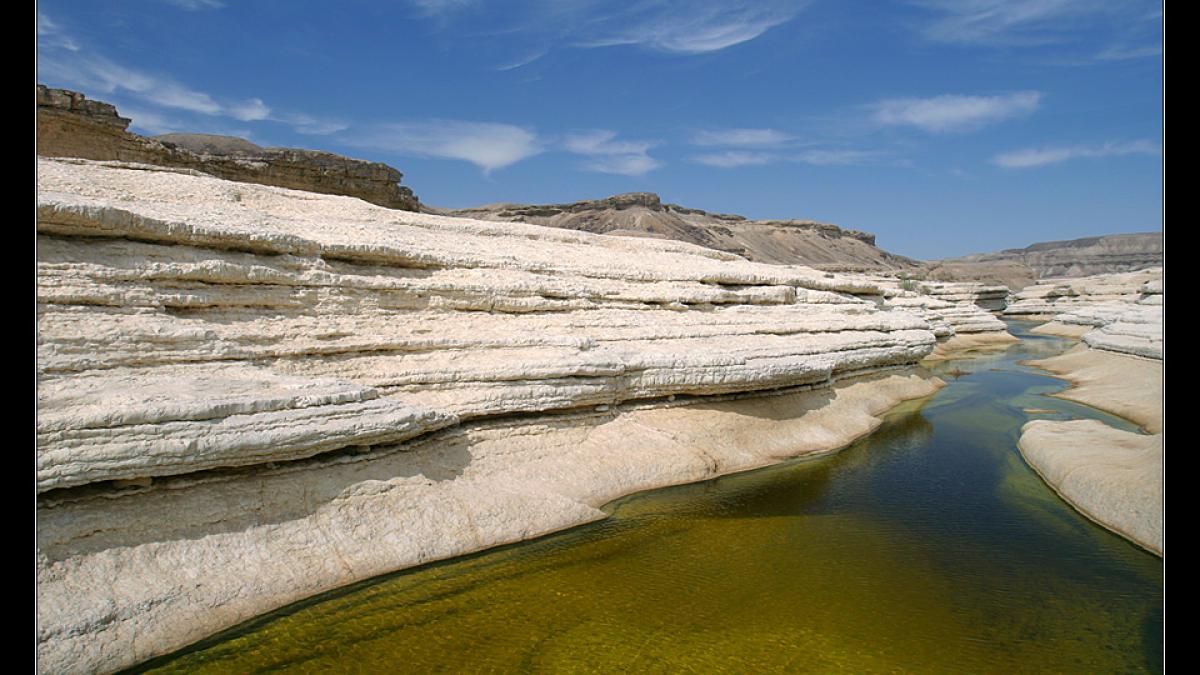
(697, 27)
(250, 110)
(61, 58)
(51, 34)
(309, 125)
(1019, 21)
(839, 157)
(152, 123)
(742, 138)
(522, 61)
(488, 145)
(98, 74)
(1073, 27)
(195, 5)
(1123, 53)
(435, 7)
(731, 159)
(606, 154)
(953, 112)
(1035, 157)
(672, 26)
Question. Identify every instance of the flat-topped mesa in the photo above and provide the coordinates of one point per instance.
(70, 125)
(644, 214)
(1088, 256)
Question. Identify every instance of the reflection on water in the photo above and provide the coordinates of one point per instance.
(929, 546)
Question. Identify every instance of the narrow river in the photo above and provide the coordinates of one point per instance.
(928, 546)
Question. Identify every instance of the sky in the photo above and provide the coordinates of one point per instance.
(945, 127)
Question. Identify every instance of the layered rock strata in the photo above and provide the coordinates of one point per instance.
(955, 313)
(249, 395)
(71, 125)
(803, 242)
(1119, 312)
(1055, 296)
(1115, 477)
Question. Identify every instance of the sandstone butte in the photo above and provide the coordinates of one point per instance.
(1114, 477)
(248, 395)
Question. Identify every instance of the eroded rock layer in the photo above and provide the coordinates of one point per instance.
(307, 390)
(1113, 476)
(71, 125)
(1114, 312)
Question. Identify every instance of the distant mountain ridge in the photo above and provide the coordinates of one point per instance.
(1081, 257)
(798, 242)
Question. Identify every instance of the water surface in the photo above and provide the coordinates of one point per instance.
(928, 546)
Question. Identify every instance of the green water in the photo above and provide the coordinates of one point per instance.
(927, 547)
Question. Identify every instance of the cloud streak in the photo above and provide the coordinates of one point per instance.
(606, 154)
(731, 159)
(742, 138)
(61, 58)
(696, 27)
(488, 145)
(1030, 158)
(1023, 22)
(952, 112)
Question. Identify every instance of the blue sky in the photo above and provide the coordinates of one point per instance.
(945, 127)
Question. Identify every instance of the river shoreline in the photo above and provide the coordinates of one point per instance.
(462, 491)
(907, 550)
(1113, 477)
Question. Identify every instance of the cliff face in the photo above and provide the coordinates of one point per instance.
(795, 242)
(70, 125)
(1081, 257)
(248, 395)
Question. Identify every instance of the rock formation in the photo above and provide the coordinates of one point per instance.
(70, 125)
(1078, 257)
(798, 242)
(248, 395)
(1114, 312)
(960, 314)
(1112, 476)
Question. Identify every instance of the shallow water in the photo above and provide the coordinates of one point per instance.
(927, 546)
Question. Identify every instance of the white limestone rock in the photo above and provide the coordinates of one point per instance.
(195, 333)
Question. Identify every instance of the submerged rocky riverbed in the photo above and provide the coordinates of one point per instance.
(928, 545)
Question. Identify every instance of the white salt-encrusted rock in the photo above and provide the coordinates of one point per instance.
(248, 394)
(1125, 310)
(958, 313)
(1055, 296)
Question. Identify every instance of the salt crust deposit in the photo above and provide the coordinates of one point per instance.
(958, 313)
(1112, 476)
(248, 395)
